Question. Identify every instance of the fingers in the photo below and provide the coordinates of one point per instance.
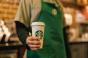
(34, 49)
(34, 46)
(33, 43)
(33, 40)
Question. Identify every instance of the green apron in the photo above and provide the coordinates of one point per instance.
(53, 46)
(53, 37)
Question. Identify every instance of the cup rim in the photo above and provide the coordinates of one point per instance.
(38, 23)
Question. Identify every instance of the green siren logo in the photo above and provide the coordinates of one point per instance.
(39, 34)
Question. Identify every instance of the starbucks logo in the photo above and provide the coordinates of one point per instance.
(39, 34)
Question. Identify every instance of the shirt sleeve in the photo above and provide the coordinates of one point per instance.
(22, 32)
(23, 12)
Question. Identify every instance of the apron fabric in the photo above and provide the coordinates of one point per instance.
(52, 16)
(53, 38)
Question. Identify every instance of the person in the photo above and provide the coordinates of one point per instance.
(47, 11)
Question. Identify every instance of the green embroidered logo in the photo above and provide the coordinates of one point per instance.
(39, 34)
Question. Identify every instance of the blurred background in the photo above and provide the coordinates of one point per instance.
(76, 24)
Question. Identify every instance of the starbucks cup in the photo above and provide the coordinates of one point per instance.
(38, 31)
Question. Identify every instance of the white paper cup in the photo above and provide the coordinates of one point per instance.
(38, 30)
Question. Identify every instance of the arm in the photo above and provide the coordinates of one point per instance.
(23, 32)
(22, 21)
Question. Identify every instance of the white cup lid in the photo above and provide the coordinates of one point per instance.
(37, 23)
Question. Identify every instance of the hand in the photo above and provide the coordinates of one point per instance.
(33, 42)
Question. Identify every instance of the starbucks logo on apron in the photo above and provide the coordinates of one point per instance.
(39, 34)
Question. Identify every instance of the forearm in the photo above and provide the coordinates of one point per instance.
(23, 32)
